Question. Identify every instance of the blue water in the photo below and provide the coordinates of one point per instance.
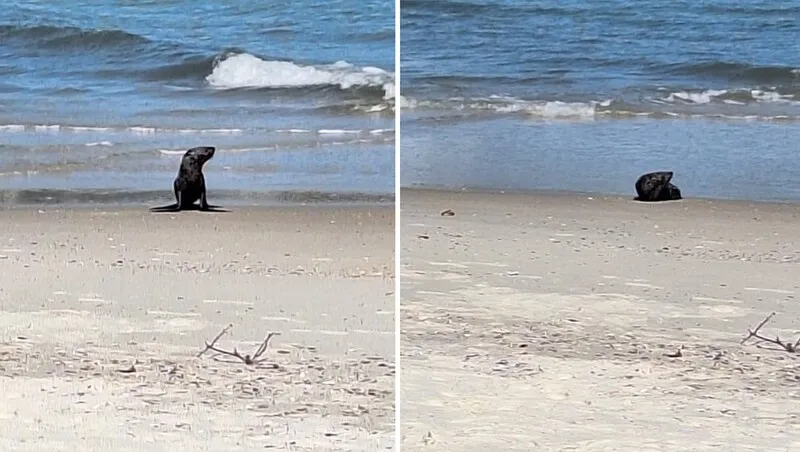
(102, 96)
(586, 96)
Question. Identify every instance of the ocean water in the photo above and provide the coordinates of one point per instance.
(99, 99)
(587, 96)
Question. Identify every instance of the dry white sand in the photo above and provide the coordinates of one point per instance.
(85, 293)
(544, 321)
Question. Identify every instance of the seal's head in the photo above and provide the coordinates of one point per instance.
(200, 154)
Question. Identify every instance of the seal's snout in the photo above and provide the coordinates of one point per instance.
(208, 152)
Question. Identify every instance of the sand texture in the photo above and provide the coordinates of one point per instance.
(547, 321)
(103, 313)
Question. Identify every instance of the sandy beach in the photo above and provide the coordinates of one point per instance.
(560, 322)
(103, 312)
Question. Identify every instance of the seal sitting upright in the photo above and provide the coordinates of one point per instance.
(190, 185)
(657, 187)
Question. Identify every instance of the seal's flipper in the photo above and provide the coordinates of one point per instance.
(169, 208)
(674, 192)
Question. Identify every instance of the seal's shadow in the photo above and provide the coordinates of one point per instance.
(192, 207)
(650, 201)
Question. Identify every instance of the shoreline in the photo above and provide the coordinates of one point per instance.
(567, 194)
(123, 199)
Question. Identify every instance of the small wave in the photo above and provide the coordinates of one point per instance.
(451, 8)
(47, 128)
(749, 104)
(147, 130)
(191, 68)
(99, 143)
(337, 131)
(139, 130)
(153, 130)
(69, 38)
(741, 72)
(243, 70)
(232, 131)
(335, 138)
(506, 104)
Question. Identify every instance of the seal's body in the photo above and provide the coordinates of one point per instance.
(657, 187)
(190, 185)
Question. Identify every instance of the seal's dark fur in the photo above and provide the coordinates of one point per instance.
(656, 186)
(190, 185)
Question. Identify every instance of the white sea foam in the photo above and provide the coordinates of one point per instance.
(770, 96)
(210, 131)
(337, 132)
(143, 130)
(12, 128)
(248, 71)
(374, 108)
(293, 131)
(47, 128)
(702, 97)
(558, 109)
(86, 128)
(550, 110)
(100, 143)
(719, 95)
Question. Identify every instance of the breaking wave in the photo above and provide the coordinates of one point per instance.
(243, 70)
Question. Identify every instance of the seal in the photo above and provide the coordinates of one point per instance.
(190, 185)
(656, 186)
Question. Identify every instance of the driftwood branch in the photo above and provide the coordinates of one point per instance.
(788, 346)
(221, 333)
(247, 359)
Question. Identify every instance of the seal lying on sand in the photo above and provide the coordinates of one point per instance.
(657, 187)
(190, 185)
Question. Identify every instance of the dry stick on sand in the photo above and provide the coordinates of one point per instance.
(247, 359)
(789, 347)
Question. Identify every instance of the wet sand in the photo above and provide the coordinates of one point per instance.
(103, 313)
(554, 321)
